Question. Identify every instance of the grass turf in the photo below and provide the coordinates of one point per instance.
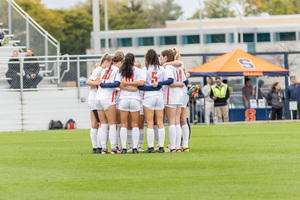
(247, 161)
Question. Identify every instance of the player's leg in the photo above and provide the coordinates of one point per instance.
(129, 134)
(135, 130)
(159, 117)
(142, 131)
(94, 130)
(178, 129)
(102, 132)
(185, 129)
(110, 114)
(171, 116)
(149, 114)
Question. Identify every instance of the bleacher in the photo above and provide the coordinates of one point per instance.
(6, 52)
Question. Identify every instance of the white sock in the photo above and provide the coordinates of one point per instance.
(123, 136)
(155, 134)
(93, 134)
(141, 138)
(113, 136)
(99, 138)
(129, 138)
(178, 136)
(103, 135)
(135, 137)
(172, 136)
(185, 135)
(161, 137)
(118, 136)
(150, 137)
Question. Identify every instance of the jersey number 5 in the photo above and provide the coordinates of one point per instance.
(154, 77)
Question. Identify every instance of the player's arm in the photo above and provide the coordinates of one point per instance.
(136, 83)
(110, 85)
(149, 88)
(174, 63)
(169, 81)
(131, 89)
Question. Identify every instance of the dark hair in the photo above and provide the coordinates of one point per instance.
(247, 79)
(151, 58)
(210, 78)
(169, 53)
(218, 77)
(126, 69)
(292, 77)
(119, 56)
(274, 85)
(225, 81)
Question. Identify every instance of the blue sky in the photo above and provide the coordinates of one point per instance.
(189, 6)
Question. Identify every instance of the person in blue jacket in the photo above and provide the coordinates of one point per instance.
(293, 94)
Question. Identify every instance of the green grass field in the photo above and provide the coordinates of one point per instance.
(246, 161)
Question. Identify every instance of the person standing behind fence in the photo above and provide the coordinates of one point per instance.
(32, 77)
(293, 94)
(209, 103)
(247, 92)
(13, 71)
(275, 99)
(220, 93)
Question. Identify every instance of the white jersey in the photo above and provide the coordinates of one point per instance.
(95, 74)
(135, 77)
(107, 75)
(174, 95)
(151, 75)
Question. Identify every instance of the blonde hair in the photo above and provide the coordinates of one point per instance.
(176, 54)
(104, 58)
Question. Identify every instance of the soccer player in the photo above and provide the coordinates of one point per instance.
(95, 122)
(173, 100)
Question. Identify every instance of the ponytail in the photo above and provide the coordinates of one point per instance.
(126, 69)
(169, 53)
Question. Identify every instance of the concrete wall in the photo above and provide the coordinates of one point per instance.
(40, 107)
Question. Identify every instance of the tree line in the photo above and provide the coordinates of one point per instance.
(72, 27)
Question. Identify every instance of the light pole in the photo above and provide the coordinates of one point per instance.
(201, 42)
(106, 29)
(241, 26)
(96, 27)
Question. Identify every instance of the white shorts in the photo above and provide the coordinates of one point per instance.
(92, 104)
(173, 105)
(132, 105)
(154, 102)
(185, 102)
(104, 105)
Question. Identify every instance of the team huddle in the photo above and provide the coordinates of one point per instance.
(123, 96)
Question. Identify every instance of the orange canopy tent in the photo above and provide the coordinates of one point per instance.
(238, 63)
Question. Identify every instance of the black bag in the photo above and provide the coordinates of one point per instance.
(55, 125)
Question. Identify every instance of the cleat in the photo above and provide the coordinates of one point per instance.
(173, 150)
(104, 151)
(150, 150)
(124, 151)
(129, 150)
(178, 150)
(113, 151)
(98, 150)
(181, 147)
(161, 150)
(94, 150)
(140, 149)
(135, 151)
(156, 149)
(167, 148)
(185, 149)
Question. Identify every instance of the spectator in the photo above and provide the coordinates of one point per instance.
(220, 93)
(275, 99)
(13, 71)
(32, 77)
(247, 92)
(193, 105)
(209, 103)
(293, 94)
(260, 95)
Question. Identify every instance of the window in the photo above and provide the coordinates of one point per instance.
(247, 37)
(124, 42)
(215, 38)
(168, 40)
(263, 37)
(231, 37)
(146, 41)
(285, 36)
(103, 43)
(191, 39)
